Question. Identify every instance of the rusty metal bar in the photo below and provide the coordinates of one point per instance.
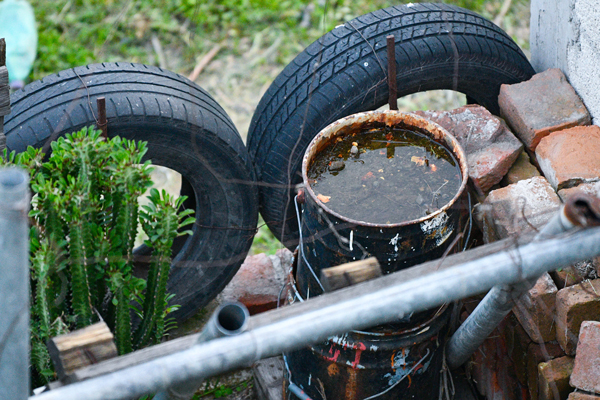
(102, 122)
(392, 84)
(367, 304)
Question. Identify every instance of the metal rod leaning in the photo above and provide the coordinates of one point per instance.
(580, 210)
(367, 304)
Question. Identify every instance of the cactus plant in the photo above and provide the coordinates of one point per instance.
(85, 216)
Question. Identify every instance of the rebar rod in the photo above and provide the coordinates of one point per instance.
(361, 306)
(14, 284)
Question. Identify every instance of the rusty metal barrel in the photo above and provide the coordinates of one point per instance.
(396, 361)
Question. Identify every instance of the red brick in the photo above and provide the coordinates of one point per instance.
(490, 146)
(522, 169)
(258, 282)
(493, 372)
(570, 157)
(535, 310)
(587, 188)
(541, 105)
(517, 342)
(515, 209)
(586, 373)
(575, 274)
(574, 305)
(537, 353)
(553, 379)
(582, 396)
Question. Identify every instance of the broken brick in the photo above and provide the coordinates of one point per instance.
(570, 157)
(490, 146)
(575, 304)
(540, 106)
(586, 373)
(535, 310)
(518, 208)
(582, 396)
(521, 169)
(553, 378)
(592, 188)
(537, 353)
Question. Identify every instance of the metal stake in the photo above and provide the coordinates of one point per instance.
(101, 104)
(14, 284)
(393, 89)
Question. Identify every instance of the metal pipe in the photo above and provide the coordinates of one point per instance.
(361, 306)
(14, 284)
(229, 319)
(500, 300)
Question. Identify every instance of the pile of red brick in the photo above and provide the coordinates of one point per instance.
(549, 347)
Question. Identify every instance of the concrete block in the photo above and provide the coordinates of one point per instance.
(566, 35)
(553, 379)
(586, 372)
(535, 310)
(574, 305)
(521, 169)
(518, 208)
(587, 188)
(570, 157)
(537, 353)
(490, 146)
(540, 106)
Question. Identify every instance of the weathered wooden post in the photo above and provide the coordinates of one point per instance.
(14, 266)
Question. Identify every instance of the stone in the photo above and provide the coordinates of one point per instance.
(553, 378)
(258, 282)
(535, 310)
(586, 372)
(517, 208)
(582, 396)
(522, 169)
(575, 304)
(537, 353)
(540, 106)
(587, 188)
(490, 146)
(570, 157)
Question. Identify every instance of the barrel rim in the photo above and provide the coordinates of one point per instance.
(389, 118)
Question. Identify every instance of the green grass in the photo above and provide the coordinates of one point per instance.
(78, 32)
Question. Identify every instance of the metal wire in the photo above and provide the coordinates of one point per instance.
(470, 222)
(312, 271)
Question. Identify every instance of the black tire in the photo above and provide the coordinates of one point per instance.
(438, 46)
(186, 131)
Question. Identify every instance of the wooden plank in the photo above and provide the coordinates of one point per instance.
(349, 274)
(81, 348)
(268, 378)
(131, 359)
(4, 101)
(3, 76)
(2, 52)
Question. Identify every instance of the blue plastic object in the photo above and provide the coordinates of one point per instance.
(17, 26)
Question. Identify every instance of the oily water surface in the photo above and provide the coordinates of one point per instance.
(384, 176)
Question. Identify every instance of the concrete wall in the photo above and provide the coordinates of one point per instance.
(565, 34)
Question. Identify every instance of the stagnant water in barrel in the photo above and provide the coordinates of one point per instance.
(385, 176)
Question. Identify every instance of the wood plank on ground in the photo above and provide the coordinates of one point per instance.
(268, 378)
